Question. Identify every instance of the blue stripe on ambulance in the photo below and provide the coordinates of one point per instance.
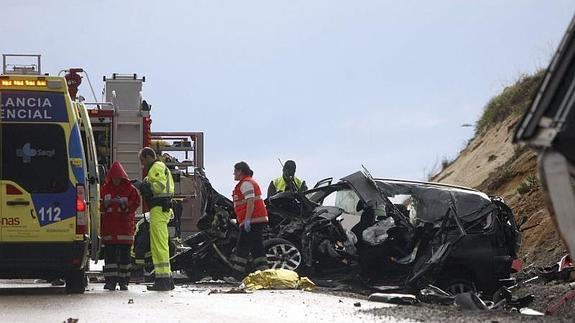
(75, 152)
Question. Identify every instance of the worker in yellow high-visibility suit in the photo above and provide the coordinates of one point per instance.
(160, 183)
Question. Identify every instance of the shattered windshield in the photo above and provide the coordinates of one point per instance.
(430, 203)
(347, 200)
(339, 196)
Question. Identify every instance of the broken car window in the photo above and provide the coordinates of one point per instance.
(347, 200)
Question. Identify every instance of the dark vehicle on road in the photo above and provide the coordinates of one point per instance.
(398, 233)
(412, 233)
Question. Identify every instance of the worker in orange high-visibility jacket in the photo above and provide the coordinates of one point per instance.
(119, 201)
(252, 217)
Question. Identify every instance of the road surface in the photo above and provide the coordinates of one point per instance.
(26, 301)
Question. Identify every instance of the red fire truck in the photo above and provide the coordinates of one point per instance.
(121, 123)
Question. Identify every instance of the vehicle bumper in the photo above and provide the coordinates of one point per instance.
(38, 260)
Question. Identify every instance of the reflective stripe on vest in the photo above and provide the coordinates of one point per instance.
(119, 237)
(281, 184)
(242, 202)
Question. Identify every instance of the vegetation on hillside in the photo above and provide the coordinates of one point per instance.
(514, 99)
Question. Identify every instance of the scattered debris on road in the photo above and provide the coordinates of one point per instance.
(435, 295)
(562, 271)
(234, 290)
(399, 299)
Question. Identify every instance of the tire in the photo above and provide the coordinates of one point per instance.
(283, 254)
(76, 282)
(458, 283)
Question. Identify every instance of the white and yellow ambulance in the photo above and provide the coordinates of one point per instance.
(49, 209)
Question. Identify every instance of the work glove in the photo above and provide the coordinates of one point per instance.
(107, 201)
(123, 203)
(247, 225)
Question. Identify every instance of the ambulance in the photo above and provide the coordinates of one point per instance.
(49, 181)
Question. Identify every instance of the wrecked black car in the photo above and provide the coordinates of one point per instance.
(396, 233)
(412, 233)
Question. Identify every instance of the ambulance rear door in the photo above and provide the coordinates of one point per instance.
(38, 198)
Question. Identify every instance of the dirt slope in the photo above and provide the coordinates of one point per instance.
(493, 164)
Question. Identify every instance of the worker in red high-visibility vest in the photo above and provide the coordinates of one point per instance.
(252, 218)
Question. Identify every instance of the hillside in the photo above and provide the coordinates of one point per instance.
(494, 165)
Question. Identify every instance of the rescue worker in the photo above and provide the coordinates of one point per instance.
(158, 190)
(120, 199)
(252, 218)
(288, 181)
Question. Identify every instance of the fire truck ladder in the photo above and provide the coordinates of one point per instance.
(125, 91)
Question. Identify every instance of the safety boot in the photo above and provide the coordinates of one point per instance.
(171, 283)
(162, 284)
(123, 283)
(110, 284)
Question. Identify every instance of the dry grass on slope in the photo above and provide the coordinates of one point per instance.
(513, 100)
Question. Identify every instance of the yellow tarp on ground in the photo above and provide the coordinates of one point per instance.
(276, 279)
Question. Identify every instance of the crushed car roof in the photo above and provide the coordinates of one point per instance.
(432, 201)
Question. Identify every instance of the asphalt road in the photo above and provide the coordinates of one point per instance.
(26, 301)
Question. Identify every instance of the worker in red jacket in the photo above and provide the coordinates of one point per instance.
(119, 201)
(252, 217)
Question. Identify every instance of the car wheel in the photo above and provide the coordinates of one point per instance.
(457, 285)
(282, 254)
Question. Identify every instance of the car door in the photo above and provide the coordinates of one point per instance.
(93, 182)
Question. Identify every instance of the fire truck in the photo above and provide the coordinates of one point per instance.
(121, 123)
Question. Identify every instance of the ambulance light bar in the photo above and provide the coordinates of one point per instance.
(8, 82)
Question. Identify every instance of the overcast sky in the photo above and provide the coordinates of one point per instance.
(332, 84)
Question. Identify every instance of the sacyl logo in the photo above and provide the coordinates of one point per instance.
(27, 152)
